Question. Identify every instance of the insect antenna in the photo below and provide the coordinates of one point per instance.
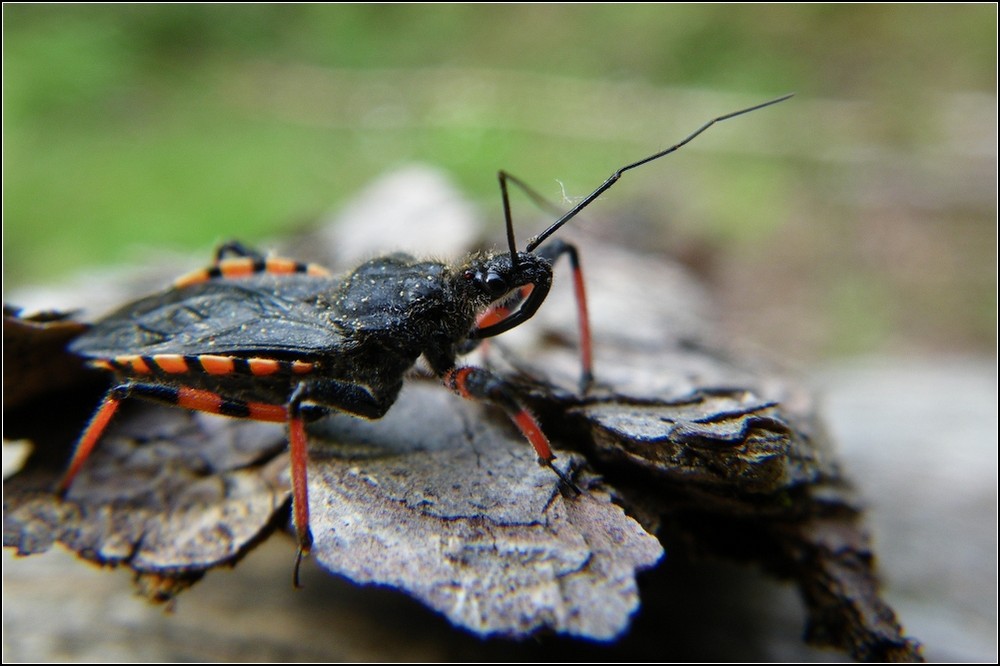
(537, 198)
(540, 238)
(502, 176)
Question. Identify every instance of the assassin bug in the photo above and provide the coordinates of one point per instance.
(271, 339)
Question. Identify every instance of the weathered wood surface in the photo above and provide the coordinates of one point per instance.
(720, 455)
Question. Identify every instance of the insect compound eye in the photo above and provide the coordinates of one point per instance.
(495, 285)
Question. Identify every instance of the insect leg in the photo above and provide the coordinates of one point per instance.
(478, 384)
(237, 249)
(92, 434)
(188, 398)
(299, 454)
(245, 262)
(333, 395)
(207, 401)
(552, 252)
(292, 413)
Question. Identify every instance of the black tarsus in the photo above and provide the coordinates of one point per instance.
(566, 482)
(299, 554)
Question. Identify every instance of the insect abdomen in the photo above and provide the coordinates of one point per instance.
(210, 364)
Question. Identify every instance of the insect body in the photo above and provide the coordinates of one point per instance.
(271, 339)
(274, 340)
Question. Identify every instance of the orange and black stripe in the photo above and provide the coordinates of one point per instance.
(211, 364)
(214, 403)
(240, 267)
(201, 400)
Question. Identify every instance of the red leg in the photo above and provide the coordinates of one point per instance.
(479, 384)
(553, 251)
(91, 435)
(213, 403)
(299, 454)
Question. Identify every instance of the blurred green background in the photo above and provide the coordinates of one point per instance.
(860, 217)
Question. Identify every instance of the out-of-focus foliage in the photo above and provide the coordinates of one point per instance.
(178, 126)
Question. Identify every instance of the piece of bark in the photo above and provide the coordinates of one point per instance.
(34, 358)
(454, 510)
(167, 493)
(718, 452)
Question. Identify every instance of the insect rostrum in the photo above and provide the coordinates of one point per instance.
(271, 339)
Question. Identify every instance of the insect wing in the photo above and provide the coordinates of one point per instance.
(259, 314)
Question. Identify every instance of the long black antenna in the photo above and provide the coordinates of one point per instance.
(540, 238)
(502, 176)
